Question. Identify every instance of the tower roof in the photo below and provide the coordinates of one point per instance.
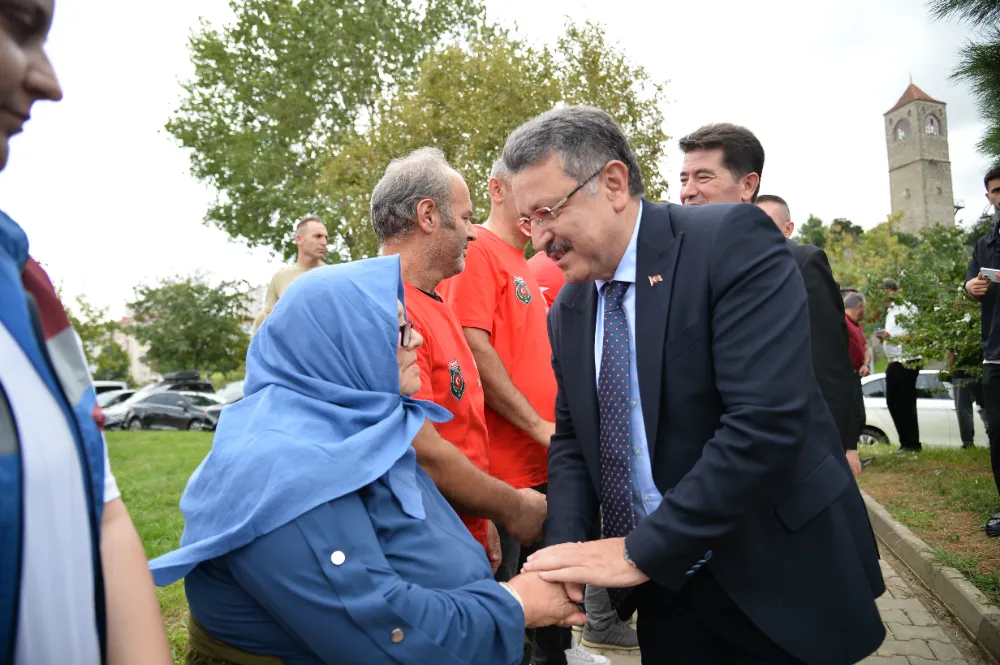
(913, 94)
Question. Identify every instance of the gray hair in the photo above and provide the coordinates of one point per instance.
(423, 174)
(500, 171)
(853, 300)
(584, 137)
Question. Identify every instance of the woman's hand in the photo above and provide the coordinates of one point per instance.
(495, 553)
(546, 603)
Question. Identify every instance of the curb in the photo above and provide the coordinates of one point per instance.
(978, 617)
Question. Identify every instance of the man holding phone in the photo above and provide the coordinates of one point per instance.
(979, 284)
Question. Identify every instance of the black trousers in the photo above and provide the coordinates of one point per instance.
(550, 643)
(860, 415)
(701, 625)
(901, 398)
(991, 397)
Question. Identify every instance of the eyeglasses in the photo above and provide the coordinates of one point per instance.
(543, 216)
(405, 331)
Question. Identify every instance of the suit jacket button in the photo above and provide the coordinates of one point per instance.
(397, 636)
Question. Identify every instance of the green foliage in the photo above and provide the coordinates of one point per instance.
(845, 226)
(107, 360)
(280, 85)
(465, 99)
(812, 232)
(979, 61)
(946, 319)
(863, 260)
(189, 324)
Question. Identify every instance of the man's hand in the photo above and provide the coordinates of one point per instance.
(543, 433)
(525, 521)
(547, 604)
(495, 553)
(883, 335)
(977, 286)
(855, 462)
(864, 371)
(600, 562)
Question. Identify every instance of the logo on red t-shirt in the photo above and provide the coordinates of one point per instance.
(521, 290)
(457, 380)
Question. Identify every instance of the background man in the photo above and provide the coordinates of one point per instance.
(986, 256)
(723, 163)
(777, 209)
(713, 462)
(311, 238)
(421, 210)
(861, 360)
(501, 308)
(901, 373)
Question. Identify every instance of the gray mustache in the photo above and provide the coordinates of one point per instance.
(559, 247)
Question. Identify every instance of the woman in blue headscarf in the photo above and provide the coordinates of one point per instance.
(311, 534)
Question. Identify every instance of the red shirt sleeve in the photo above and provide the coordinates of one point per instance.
(474, 294)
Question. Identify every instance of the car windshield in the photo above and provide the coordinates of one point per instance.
(112, 397)
(231, 392)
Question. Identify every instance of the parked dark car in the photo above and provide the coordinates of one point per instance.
(170, 409)
(188, 381)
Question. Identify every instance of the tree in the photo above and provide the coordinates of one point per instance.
(191, 325)
(862, 261)
(979, 62)
(842, 226)
(466, 98)
(106, 359)
(812, 232)
(280, 85)
(946, 319)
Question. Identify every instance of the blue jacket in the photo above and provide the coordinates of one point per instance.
(357, 581)
(30, 310)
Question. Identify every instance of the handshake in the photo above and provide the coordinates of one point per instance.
(551, 583)
(547, 603)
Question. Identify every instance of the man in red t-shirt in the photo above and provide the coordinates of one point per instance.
(500, 306)
(548, 275)
(861, 359)
(431, 246)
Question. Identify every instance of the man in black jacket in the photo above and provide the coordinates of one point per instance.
(723, 164)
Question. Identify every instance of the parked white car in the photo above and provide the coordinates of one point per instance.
(935, 412)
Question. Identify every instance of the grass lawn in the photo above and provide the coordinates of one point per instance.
(152, 469)
(945, 496)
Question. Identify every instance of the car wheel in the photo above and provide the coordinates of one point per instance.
(135, 424)
(194, 425)
(871, 437)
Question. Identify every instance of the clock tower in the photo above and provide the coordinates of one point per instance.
(916, 135)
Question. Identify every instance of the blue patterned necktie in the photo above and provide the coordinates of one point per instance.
(614, 398)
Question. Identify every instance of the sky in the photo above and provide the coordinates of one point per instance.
(107, 200)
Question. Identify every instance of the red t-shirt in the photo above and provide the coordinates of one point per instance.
(550, 278)
(855, 343)
(497, 292)
(449, 378)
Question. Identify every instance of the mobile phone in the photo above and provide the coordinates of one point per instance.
(992, 274)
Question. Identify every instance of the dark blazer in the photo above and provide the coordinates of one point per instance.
(830, 357)
(756, 487)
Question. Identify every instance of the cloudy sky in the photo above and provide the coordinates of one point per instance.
(105, 196)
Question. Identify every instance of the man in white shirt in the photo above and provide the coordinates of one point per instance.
(900, 374)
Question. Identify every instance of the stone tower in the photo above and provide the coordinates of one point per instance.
(916, 136)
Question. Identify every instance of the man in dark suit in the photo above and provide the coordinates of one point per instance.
(723, 163)
(690, 431)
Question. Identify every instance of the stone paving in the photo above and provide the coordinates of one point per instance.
(913, 635)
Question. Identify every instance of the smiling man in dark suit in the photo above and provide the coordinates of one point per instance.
(690, 431)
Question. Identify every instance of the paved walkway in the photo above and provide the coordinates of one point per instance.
(913, 636)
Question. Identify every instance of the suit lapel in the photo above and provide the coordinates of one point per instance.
(656, 264)
(579, 321)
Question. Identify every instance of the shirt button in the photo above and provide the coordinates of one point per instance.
(634, 404)
(397, 636)
(645, 497)
(637, 451)
(338, 558)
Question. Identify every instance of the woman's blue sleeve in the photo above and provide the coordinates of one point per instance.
(325, 579)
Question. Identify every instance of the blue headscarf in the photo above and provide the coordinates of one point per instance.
(321, 417)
